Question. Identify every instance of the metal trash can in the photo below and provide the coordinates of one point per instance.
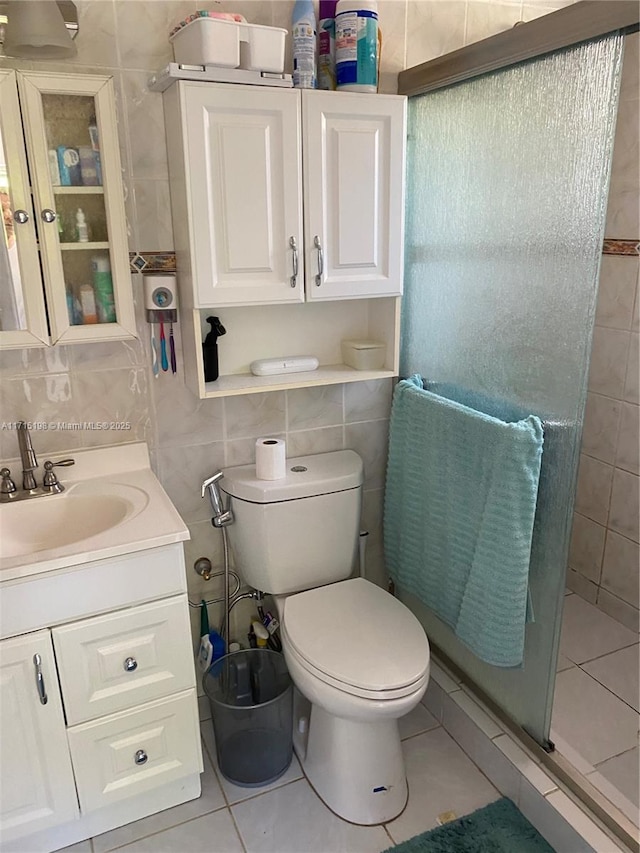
(251, 698)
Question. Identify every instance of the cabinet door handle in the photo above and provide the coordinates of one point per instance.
(294, 278)
(49, 215)
(42, 693)
(20, 216)
(130, 664)
(318, 245)
(140, 757)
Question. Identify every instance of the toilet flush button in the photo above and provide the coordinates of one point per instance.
(299, 468)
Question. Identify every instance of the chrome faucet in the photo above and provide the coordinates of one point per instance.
(27, 457)
(30, 489)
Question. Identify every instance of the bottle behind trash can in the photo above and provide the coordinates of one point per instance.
(357, 46)
(303, 37)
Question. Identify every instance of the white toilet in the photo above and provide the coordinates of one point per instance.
(357, 656)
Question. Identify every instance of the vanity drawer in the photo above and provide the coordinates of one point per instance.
(109, 663)
(136, 751)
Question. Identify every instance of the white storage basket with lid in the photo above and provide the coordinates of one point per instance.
(204, 40)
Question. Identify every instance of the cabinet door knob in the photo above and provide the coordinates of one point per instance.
(48, 215)
(20, 216)
(294, 278)
(140, 757)
(42, 692)
(130, 664)
(318, 245)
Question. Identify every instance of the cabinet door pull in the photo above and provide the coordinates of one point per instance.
(318, 245)
(294, 278)
(130, 664)
(42, 693)
(20, 216)
(49, 215)
(140, 757)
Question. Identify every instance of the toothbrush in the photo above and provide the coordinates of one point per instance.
(172, 349)
(154, 354)
(163, 349)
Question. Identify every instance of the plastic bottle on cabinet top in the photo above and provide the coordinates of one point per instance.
(303, 38)
(357, 46)
(327, 45)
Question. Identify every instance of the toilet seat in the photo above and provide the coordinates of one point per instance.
(358, 638)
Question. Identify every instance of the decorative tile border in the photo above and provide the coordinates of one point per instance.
(166, 261)
(152, 261)
(621, 247)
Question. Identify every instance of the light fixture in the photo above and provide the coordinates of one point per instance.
(36, 29)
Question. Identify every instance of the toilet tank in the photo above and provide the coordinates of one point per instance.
(300, 531)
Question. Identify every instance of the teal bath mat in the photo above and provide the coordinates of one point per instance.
(496, 828)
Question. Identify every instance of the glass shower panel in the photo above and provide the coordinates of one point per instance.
(505, 220)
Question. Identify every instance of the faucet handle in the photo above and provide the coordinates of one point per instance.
(50, 481)
(7, 486)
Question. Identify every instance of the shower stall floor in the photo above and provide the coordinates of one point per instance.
(595, 710)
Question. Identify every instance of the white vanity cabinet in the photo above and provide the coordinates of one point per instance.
(288, 218)
(37, 789)
(59, 153)
(109, 733)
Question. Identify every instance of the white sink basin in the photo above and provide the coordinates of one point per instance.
(112, 505)
(78, 514)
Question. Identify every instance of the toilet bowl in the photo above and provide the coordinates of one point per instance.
(359, 658)
(353, 688)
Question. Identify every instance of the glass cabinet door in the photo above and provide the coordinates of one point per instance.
(72, 145)
(23, 321)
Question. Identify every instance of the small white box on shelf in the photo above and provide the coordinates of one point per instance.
(364, 355)
(229, 44)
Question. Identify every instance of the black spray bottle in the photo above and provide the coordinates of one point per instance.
(210, 349)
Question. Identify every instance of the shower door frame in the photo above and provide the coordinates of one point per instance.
(580, 22)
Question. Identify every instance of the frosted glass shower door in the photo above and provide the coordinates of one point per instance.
(508, 177)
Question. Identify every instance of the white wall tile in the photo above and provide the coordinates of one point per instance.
(608, 361)
(315, 407)
(629, 439)
(368, 401)
(310, 441)
(183, 468)
(616, 291)
(587, 547)
(600, 431)
(620, 567)
(586, 589)
(624, 613)
(594, 489)
(624, 516)
(370, 440)
(484, 19)
(255, 415)
(434, 27)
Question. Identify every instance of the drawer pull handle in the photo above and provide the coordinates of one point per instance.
(141, 757)
(293, 281)
(42, 692)
(318, 245)
(130, 664)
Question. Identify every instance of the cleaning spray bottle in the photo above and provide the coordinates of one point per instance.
(303, 37)
(205, 652)
(210, 349)
(327, 45)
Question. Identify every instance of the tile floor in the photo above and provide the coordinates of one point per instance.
(288, 817)
(595, 711)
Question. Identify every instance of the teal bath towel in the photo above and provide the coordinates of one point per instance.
(459, 506)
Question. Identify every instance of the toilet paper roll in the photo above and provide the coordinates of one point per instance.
(271, 459)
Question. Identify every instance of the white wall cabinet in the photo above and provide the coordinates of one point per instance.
(128, 742)
(284, 198)
(37, 789)
(45, 119)
(353, 151)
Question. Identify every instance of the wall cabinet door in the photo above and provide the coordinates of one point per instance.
(37, 789)
(354, 165)
(244, 182)
(68, 129)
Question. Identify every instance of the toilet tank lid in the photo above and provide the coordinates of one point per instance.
(306, 476)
